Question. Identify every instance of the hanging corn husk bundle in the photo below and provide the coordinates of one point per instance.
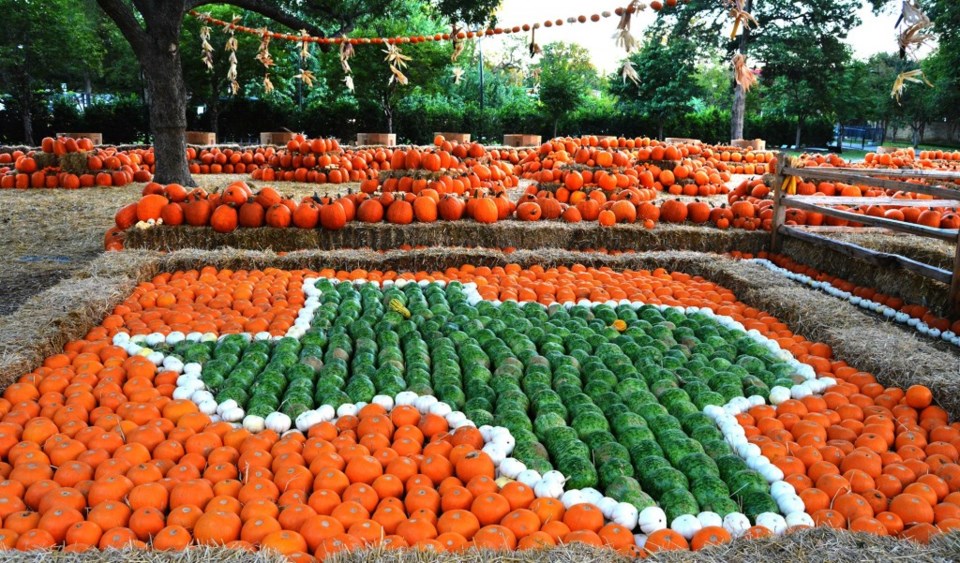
(912, 36)
(457, 74)
(231, 46)
(622, 36)
(267, 84)
(457, 43)
(348, 80)
(900, 83)
(263, 55)
(740, 17)
(742, 74)
(205, 47)
(397, 61)
(627, 71)
(534, 46)
(305, 45)
(305, 75)
(346, 53)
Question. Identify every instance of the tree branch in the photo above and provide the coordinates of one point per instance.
(268, 9)
(122, 15)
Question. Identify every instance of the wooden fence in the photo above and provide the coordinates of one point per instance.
(880, 178)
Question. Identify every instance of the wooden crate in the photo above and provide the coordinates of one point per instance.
(97, 138)
(279, 138)
(455, 137)
(887, 149)
(520, 140)
(752, 144)
(684, 140)
(201, 138)
(385, 139)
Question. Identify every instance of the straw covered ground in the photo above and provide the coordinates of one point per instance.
(46, 235)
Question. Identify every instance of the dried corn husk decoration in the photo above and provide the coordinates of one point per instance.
(397, 61)
(305, 45)
(231, 46)
(307, 77)
(900, 83)
(263, 52)
(346, 53)
(623, 36)
(457, 43)
(457, 74)
(534, 46)
(740, 17)
(913, 36)
(741, 74)
(627, 71)
(267, 84)
(348, 80)
(205, 47)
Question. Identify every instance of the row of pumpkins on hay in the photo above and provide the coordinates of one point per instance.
(70, 164)
(238, 206)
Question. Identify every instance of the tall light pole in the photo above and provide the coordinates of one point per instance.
(480, 48)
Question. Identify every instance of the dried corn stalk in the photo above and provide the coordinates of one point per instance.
(900, 83)
(231, 46)
(912, 36)
(740, 17)
(457, 43)
(622, 36)
(397, 61)
(205, 47)
(742, 74)
(263, 51)
(534, 46)
(629, 72)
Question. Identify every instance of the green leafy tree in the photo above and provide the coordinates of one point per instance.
(42, 44)
(153, 29)
(667, 87)
(566, 76)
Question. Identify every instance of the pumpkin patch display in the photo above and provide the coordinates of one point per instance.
(502, 408)
(70, 164)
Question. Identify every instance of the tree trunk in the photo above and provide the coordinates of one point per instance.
(87, 90)
(739, 112)
(556, 122)
(26, 115)
(168, 102)
(660, 128)
(797, 140)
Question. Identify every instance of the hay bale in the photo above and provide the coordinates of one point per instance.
(518, 234)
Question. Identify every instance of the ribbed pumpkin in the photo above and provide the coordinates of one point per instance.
(370, 211)
(698, 211)
(332, 216)
(197, 212)
(278, 216)
(425, 208)
(172, 214)
(224, 218)
(551, 208)
(485, 210)
(450, 208)
(307, 215)
(673, 211)
(251, 215)
(589, 209)
(529, 211)
(400, 212)
(625, 211)
(647, 211)
(743, 208)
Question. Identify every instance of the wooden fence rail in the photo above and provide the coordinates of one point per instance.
(946, 197)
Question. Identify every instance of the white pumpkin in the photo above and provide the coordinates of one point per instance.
(405, 398)
(385, 401)
(252, 423)
(607, 505)
(571, 498)
(791, 503)
(591, 495)
(440, 409)
(781, 488)
(183, 393)
(651, 519)
(773, 522)
(497, 452)
(799, 518)
(326, 413)
(512, 468)
(226, 405)
(708, 518)
(736, 523)
(456, 419)
(278, 422)
(424, 403)
(686, 525)
(626, 515)
(347, 409)
(546, 488)
(207, 407)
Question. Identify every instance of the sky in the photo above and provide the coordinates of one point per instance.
(875, 34)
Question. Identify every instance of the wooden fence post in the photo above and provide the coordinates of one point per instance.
(779, 210)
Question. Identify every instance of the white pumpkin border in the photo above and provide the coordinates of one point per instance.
(499, 442)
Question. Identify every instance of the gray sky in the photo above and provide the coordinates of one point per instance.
(876, 33)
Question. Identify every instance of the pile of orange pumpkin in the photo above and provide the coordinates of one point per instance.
(85, 167)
